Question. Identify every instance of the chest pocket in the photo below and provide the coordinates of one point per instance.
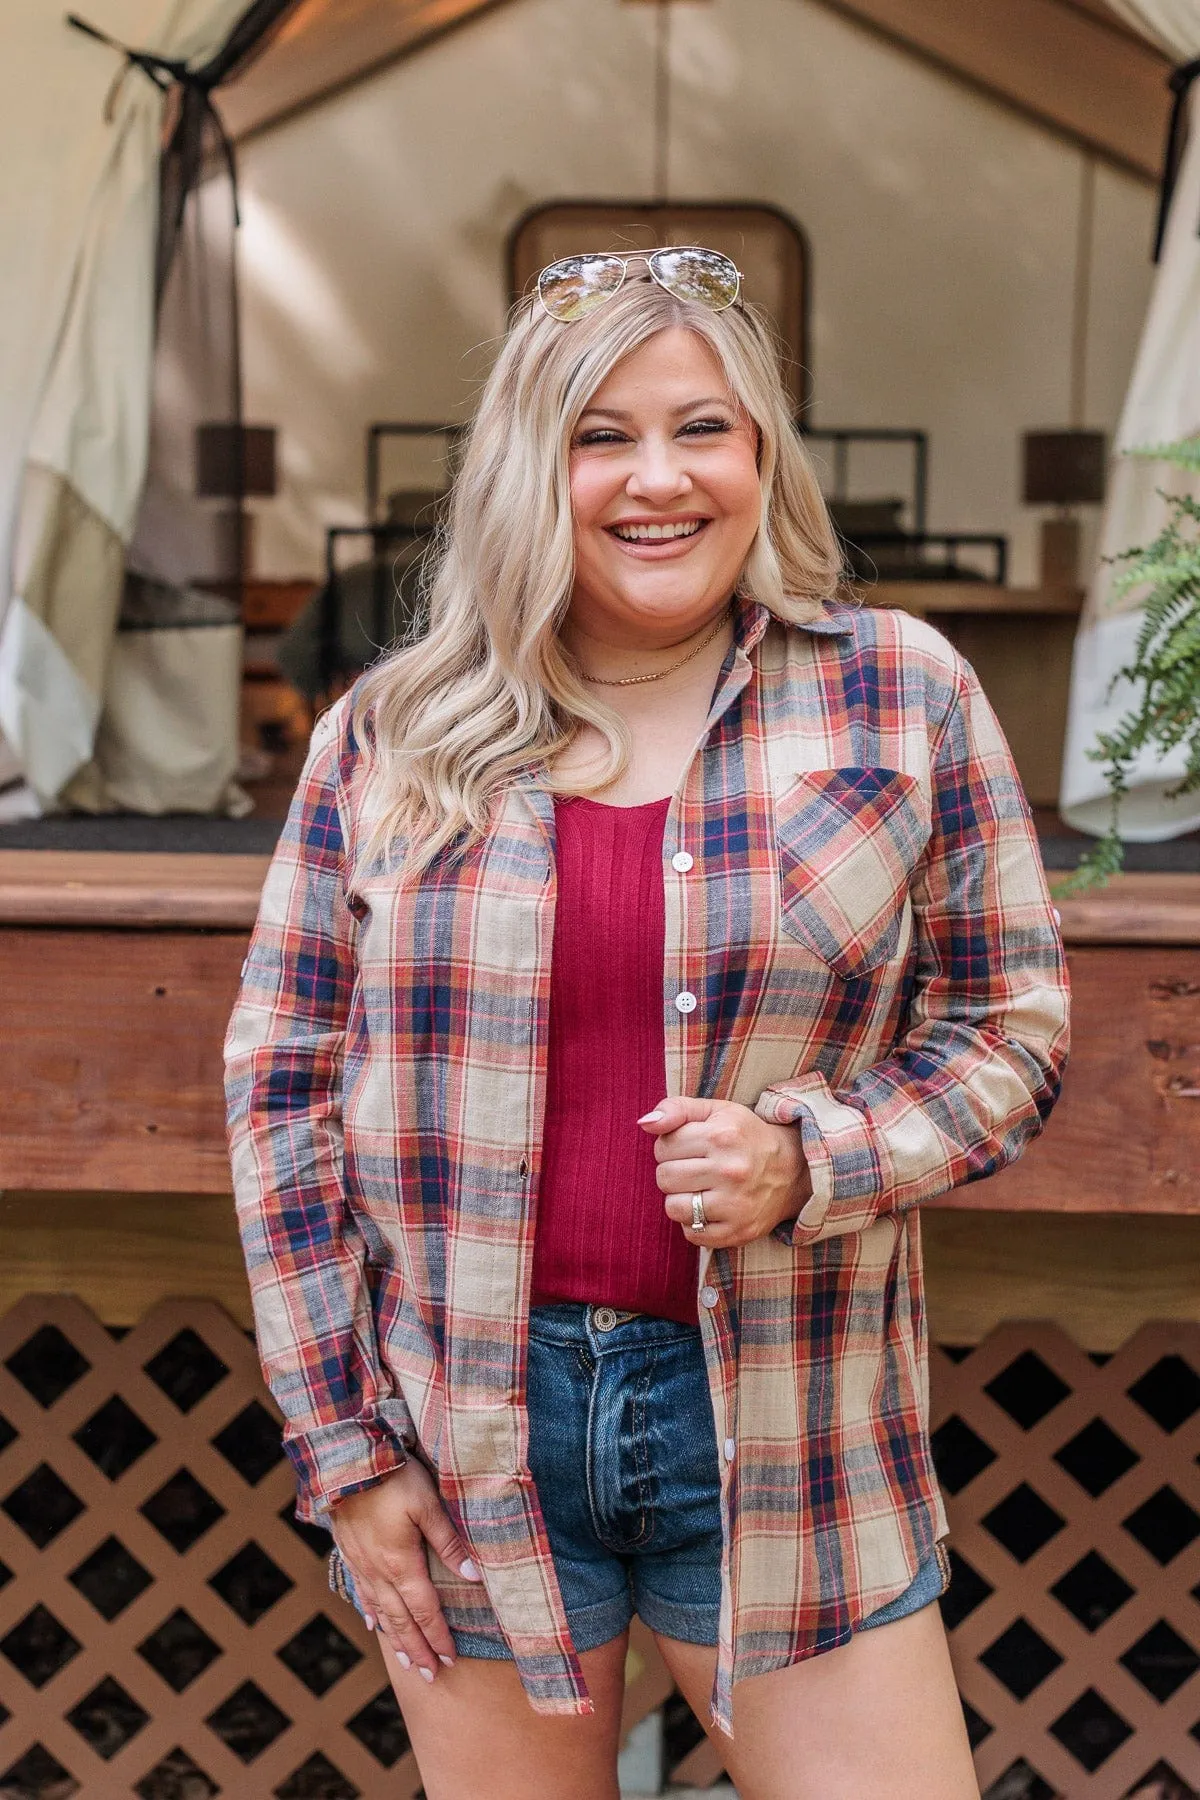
(849, 841)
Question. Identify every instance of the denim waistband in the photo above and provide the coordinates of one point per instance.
(571, 1322)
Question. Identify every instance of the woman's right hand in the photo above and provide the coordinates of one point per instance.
(381, 1533)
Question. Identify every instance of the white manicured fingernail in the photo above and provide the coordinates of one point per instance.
(369, 1621)
(404, 1661)
(426, 1674)
(651, 1118)
(470, 1570)
(448, 1661)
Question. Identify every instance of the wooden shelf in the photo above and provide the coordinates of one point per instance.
(112, 889)
(973, 597)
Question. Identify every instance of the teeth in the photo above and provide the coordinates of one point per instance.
(638, 534)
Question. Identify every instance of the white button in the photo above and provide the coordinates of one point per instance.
(729, 1449)
(685, 1002)
(709, 1297)
(681, 861)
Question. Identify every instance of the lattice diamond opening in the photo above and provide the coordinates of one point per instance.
(959, 1454)
(37, 1776)
(967, 1590)
(380, 1726)
(114, 1438)
(315, 1536)
(317, 1779)
(111, 1578)
(186, 1369)
(1091, 1730)
(108, 1718)
(1169, 1392)
(1092, 1591)
(1161, 1660)
(1023, 1522)
(1021, 1659)
(248, 1721)
(39, 1646)
(1096, 1457)
(1020, 1781)
(47, 1365)
(319, 1655)
(1027, 1389)
(179, 1651)
(182, 1510)
(251, 1443)
(250, 1583)
(1164, 1525)
(1160, 1783)
(176, 1777)
(42, 1505)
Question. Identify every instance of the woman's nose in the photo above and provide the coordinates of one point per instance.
(658, 474)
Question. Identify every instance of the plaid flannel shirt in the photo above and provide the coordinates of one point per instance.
(866, 934)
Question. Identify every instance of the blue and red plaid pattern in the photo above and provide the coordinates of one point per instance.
(866, 931)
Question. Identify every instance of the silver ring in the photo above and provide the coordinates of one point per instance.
(698, 1219)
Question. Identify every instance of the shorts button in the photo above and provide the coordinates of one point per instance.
(681, 862)
(685, 1002)
(709, 1296)
(730, 1447)
(603, 1318)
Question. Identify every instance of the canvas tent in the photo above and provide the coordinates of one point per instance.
(1162, 406)
(104, 717)
(83, 128)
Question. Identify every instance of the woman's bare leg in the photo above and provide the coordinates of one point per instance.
(476, 1737)
(880, 1716)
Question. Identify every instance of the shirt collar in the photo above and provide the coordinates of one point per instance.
(752, 618)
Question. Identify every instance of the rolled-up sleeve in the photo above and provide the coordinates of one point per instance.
(978, 1064)
(344, 1427)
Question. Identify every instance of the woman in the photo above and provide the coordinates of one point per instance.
(641, 948)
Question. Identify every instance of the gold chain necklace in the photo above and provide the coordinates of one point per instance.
(636, 680)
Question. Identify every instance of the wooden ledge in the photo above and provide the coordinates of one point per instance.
(118, 890)
(932, 597)
(1133, 909)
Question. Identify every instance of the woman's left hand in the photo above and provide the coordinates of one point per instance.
(751, 1175)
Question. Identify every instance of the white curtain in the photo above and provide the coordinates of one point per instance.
(1162, 405)
(79, 152)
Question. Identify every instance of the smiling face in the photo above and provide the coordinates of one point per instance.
(665, 495)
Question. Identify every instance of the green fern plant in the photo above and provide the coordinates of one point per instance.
(1165, 671)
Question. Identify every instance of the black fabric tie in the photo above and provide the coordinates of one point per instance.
(196, 86)
(1180, 83)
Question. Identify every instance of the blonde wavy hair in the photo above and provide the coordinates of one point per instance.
(491, 689)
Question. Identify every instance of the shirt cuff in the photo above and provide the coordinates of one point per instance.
(842, 1161)
(336, 1460)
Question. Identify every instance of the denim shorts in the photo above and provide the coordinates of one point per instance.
(624, 1455)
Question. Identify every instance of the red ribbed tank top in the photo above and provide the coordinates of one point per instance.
(602, 1236)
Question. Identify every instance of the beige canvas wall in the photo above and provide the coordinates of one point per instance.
(942, 228)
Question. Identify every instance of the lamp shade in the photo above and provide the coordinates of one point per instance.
(1064, 468)
(232, 460)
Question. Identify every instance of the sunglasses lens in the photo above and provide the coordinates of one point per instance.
(701, 275)
(574, 287)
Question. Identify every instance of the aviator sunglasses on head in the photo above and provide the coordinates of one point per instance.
(577, 285)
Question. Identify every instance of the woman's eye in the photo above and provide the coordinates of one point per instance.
(705, 427)
(599, 436)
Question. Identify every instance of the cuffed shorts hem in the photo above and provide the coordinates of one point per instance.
(590, 1627)
(686, 1624)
